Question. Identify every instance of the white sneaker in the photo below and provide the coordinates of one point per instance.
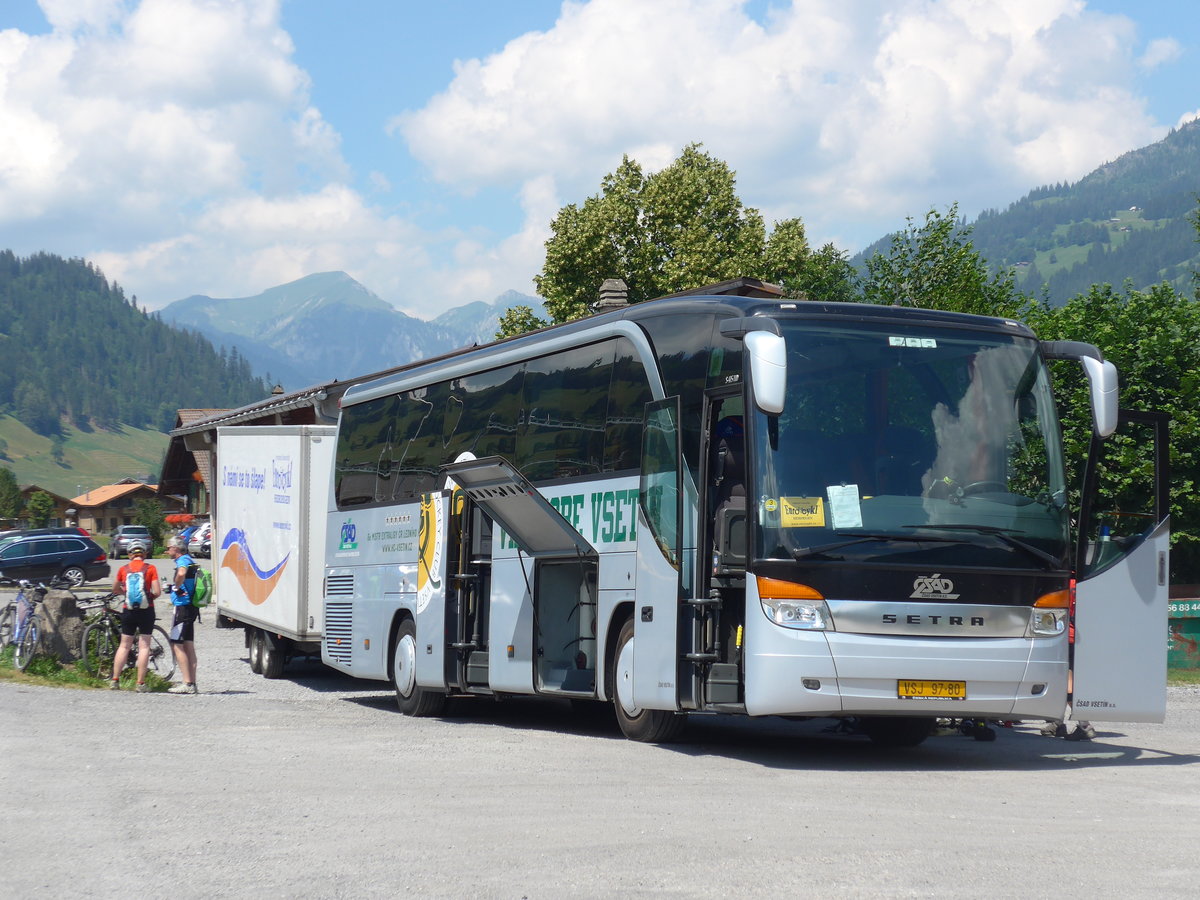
(182, 689)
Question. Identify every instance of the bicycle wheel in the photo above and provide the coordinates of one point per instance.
(6, 626)
(99, 646)
(162, 659)
(26, 644)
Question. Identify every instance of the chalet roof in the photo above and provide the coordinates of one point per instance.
(106, 494)
(31, 488)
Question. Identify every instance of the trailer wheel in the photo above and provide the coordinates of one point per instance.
(256, 650)
(412, 700)
(274, 656)
(648, 725)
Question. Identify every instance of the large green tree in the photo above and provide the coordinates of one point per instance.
(39, 509)
(11, 501)
(934, 265)
(1153, 338)
(148, 511)
(676, 229)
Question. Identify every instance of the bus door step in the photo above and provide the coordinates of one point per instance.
(721, 686)
(477, 667)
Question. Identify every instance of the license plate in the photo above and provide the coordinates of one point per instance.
(931, 690)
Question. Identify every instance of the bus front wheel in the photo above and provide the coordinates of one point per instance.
(412, 700)
(655, 726)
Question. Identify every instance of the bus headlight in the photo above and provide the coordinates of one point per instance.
(794, 605)
(809, 615)
(1050, 613)
(1047, 622)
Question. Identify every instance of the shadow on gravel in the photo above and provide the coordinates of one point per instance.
(521, 713)
(818, 744)
(782, 744)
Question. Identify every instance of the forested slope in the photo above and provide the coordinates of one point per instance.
(77, 350)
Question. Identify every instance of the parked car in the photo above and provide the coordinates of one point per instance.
(200, 543)
(127, 536)
(46, 557)
(6, 536)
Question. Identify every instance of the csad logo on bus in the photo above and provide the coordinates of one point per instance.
(933, 587)
(347, 539)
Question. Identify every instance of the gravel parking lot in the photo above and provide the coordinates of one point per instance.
(314, 785)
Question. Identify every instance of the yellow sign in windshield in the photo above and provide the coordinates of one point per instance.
(802, 512)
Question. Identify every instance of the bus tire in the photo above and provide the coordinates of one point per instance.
(412, 700)
(653, 726)
(897, 731)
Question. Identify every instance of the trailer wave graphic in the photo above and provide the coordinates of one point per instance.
(257, 583)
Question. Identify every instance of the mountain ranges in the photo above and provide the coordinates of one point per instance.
(327, 327)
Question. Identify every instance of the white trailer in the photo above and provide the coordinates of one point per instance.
(269, 518)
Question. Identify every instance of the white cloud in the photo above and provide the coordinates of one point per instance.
(1160, 51)
(850, 115)
(131, 128)
(176, 144)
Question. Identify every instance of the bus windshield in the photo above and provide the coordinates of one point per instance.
(911, 443)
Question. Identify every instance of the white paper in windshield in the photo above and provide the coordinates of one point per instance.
(845, 510)
(924, 343)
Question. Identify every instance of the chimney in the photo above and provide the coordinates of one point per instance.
(614, 294)
(278, 389)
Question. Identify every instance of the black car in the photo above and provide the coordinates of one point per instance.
(32, 532)
(73, 558)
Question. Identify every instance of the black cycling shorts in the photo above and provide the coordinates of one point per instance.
(184, 628)
(137, 621)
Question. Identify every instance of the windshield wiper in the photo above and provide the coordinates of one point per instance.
(859, 537)
(1003, 536)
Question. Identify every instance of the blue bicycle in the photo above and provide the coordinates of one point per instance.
(20, 622)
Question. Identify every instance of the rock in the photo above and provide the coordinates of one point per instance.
(61, 628)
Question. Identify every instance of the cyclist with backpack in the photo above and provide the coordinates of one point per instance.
(137, 581)
(183, 631)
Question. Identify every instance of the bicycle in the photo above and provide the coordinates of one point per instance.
(102, 637)
(20, 623)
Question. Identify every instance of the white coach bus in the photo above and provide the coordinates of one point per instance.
(747, 506)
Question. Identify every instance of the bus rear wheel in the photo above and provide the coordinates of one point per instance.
(655, 726)
(897, 731)
(412, 700)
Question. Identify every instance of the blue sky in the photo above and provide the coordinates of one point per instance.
(226, 146)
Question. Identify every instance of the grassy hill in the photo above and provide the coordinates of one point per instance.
(90, 458)
(1129, 220)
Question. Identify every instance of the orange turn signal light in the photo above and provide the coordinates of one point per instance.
(774, 589)
(1054, 600)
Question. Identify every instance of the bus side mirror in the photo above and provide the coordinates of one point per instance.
(768, 370)
(1102, 379)
(1101, 376)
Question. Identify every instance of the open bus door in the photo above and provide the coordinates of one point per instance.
(660, 562)
(564, 577)
(1120, 651)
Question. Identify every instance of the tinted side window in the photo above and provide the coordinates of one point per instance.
(566, 403)
(628, 394)
(483, 413)
(13, 551)
(417, 454)
(365, 439)
(683, 346)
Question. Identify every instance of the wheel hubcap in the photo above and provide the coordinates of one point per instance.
(625, 680)
(405, 665)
